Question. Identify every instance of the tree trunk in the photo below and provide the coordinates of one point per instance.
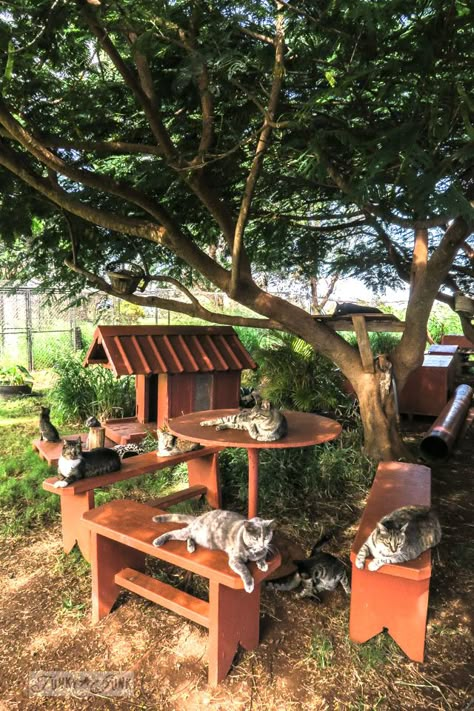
(382, 440)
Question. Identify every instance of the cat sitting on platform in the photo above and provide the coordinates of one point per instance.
(263, 422)
(74, 464)
(48, 431)
(242, 539)
(399, 536)
(169, 444)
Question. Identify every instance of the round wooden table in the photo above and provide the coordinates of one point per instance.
(304, 430)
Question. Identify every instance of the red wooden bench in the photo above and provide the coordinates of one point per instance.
(77, 498)
(121, 534)
(396, 596)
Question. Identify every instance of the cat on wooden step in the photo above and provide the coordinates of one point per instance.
(47, 430)
(399, 536)
(74, 464)
(242, 539)
(169, 444)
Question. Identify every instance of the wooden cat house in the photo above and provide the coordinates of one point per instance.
(177, 369)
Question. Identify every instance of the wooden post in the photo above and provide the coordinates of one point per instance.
(365, 349)
(29, 329)
(96, 437)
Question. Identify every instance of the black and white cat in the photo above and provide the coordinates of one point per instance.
(263, 422)
(318, 573)
(242, 539)
(74, 464)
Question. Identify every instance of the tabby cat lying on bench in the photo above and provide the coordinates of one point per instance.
(74, 464)
(242, 539)
(400, 536)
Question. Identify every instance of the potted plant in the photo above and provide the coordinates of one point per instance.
(15, 380)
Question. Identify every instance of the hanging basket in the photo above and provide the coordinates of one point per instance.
(125, 277)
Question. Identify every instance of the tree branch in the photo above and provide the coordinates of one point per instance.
(194, 309)
(102, 218)
(420, 257)
(152, 111)
(262, 145)
(86, 177)
(207, 101)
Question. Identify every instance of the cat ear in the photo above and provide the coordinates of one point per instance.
(381, 527)
(269, 523)
(404, 527)
(251, 526)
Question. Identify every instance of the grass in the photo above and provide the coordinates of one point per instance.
(376, 652)
(321, 650)
(24, 505)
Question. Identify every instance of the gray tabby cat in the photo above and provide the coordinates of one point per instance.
(321, 571)
(242, 539)
(399, 536)
(263, 422)
(169, 444)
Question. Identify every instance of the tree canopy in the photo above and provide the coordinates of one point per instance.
(217, 141)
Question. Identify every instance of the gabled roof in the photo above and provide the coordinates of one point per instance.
(142, 350)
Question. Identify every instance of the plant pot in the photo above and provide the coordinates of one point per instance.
(14, 390)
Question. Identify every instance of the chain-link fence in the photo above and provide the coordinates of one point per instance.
(36, 329)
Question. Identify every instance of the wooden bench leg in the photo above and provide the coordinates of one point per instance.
(72, 508)
(381, 601)
(234, 619)
(204, 471)
(108, 558)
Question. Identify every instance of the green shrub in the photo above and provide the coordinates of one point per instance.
(81, 392)
(380, 342)
(443, 320)
(293, 376)
(295, 479)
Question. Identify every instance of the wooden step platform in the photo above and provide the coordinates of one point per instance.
(51, 451)
(394, 597)
(122, 533)
(78, 497)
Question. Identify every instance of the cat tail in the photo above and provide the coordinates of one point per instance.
(324, 538)
(173, 518)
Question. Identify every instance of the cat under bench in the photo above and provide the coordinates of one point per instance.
(304, 430)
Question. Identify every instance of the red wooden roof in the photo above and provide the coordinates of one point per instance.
(141, 350)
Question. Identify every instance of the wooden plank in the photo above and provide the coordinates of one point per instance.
(131, 524)
(191, 492)
(374, 326)
(132, 467)
(363, 342)
(396, 484)
(165, 595)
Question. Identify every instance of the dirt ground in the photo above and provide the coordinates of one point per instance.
(305, 659)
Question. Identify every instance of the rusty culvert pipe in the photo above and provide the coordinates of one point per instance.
(440, 438)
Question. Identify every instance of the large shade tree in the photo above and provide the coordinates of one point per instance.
(218, 140)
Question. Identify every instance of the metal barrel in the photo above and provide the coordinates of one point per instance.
(440, 438)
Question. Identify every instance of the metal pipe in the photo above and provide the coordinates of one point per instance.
(440, 438)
